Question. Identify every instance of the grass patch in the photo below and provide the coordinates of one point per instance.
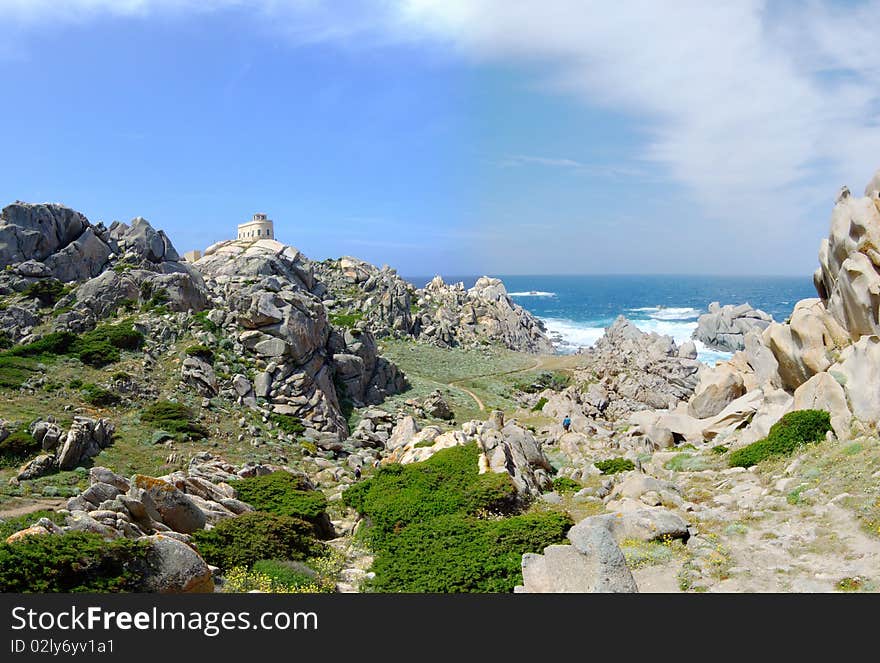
(346, 320)
(794, 430)
(201, 351)
(539, 405)
(615, 465)
(288, 423)
(566, 486)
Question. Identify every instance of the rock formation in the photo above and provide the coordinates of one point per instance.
(725, 327)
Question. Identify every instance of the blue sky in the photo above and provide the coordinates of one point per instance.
(559, 136)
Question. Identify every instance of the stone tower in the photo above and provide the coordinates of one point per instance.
(259, 227)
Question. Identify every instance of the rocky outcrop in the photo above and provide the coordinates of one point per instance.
(84, 440)
(505, 447)
(725, 327)
(455, 316)
(593, 563)
(628, 370)
(305, 367)
(440, 313)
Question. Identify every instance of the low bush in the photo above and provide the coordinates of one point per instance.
(795, 429)
(284, 494)
(97, 348)
(206, 323)
(288, 423)
(448, 482)
(539, 405)
(73, 562)
(98, 354)
(175, 418)
(461, 553)
(564, 485)
(615, 465)
(253, 536)
(18, 447)
(99, 396)
(46, 291)
(12, 525)
(202, 352)
(439, 525)
(548, 380)
(56, 343)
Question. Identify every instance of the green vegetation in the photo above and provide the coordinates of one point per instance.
(795, 429)
(12, 525)
(685, 462)
(288, 423)
(564, 485)
(18, 447)
(15, 371)
(346, 320)
(206, 323)
(202, 352)
(554, 380)
(720, 449)
(47, 291)
(73, 562)
(539, 405)
(254, 536)
(154, 299)
(99, 396)
(284, 494)
(615, 465)
(175, 418)
(435, 525)
(96, 348)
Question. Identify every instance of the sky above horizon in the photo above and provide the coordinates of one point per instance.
(452, 136)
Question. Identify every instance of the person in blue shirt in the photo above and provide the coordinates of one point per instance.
(566, 423)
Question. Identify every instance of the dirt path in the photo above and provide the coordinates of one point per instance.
(31, 506)
(540, 362)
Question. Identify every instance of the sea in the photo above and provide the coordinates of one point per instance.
(577, 309)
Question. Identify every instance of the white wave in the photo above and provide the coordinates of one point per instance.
(676, 314)
(569, 336)
(532, 293)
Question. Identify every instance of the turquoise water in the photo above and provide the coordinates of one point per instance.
(576, 309)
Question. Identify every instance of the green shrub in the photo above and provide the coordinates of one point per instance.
(288, 423)
(795, 429)
(564, 485)
(98, 354)
(18, 447)
(205, 323)
(12, 525)
(424, 444)
(448, 482)
(122, 335)
(539, 405)
(175, 418)
(250, 537)
(548, 380)
(73, 562)
(98, 396)
(720, 449)
(283, 494)
(56, 343)
(461, 553)
(430, 532)
(615, 465)
(202, 352)
(154, 298)
(47, 291)
(75, 383)
(346, 320)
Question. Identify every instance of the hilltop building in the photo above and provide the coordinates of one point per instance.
(259, 227)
